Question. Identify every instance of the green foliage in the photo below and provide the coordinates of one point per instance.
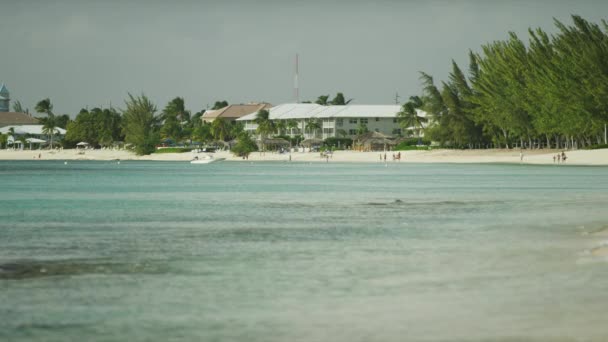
(409, 118)
(551, 91)
(96, 127)
(219, 105)
(175, 119)
(203, 133)
(62, 121)
(414, 142)
(173, 150)
(244, 146)
(265, 125)
(49, 122)
(17, 107)
(220, 129)
(596, 147)
(339, 100)
(140, 125)
(342, 143)
(45, 106)
(313, 125)
(362, 129)
(322, 100)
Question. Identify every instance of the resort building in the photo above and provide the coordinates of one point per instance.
(233, 112)
(8, 118)
(332, 121)
(30, 134)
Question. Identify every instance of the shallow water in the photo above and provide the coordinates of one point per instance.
(233, 251)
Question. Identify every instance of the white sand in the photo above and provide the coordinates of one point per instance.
(583, 157)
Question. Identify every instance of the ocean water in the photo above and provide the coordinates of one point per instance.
(239, 251)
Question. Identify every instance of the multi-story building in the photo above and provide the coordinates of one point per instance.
(332, 121)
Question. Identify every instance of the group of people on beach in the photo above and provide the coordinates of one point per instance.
(560, 158)
(396, 157)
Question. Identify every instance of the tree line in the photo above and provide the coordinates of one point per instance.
(551, 92)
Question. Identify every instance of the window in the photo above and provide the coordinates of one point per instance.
(395, 120)
(328, 130)
(397, 131)
(352, 131)
(377, 119)
(339, 122)
(364, 121)
(352, 121)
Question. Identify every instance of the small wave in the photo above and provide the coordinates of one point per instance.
(24, 269)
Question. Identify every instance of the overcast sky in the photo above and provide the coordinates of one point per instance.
(92, 53)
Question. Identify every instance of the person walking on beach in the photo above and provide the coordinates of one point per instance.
(554, 159)
(385, 157)
(521, 156)
(559, 158)
(564, 157)
(399, 156)
(380, 156)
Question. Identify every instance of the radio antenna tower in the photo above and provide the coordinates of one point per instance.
(296, 87)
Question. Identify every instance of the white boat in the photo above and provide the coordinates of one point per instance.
(206, 159)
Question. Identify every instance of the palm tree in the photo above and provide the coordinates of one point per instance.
(313, 125)
(291, 125)
(265, 125)
(322, 100)
(17, 107)
(220, 129)
(409, 117)
(280, 127)
(339, 100)
(49, 123)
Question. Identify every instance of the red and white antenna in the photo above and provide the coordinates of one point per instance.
(296, 87)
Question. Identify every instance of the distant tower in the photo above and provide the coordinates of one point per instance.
(4, 99)
(296, 86)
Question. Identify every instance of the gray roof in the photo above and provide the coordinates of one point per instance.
(312, 110)
(30, 129)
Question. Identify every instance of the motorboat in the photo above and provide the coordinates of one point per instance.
(206, 159)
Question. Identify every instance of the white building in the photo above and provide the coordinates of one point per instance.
(335, 121)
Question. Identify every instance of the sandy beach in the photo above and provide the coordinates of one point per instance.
(537, 157)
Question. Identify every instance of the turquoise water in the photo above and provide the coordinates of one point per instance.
(168, 251)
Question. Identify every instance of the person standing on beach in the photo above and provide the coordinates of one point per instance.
(559, 158)
(385, 157)
(521, 156)
(553, 159)
(564, 157)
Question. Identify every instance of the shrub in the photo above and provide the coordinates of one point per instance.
(596, 147)
(341, 142)
(173, 150)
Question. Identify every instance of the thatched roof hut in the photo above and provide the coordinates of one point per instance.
(374, 141)
(312, 142)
